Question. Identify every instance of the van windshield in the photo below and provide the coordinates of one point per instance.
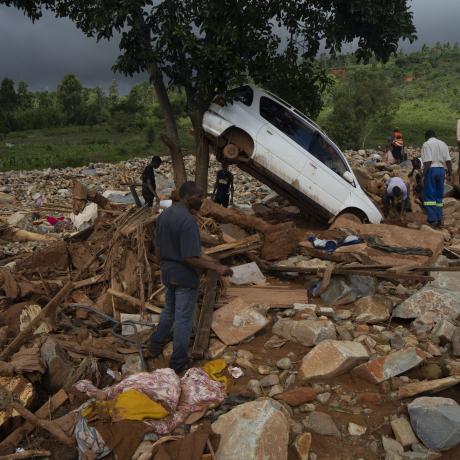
(303, 134)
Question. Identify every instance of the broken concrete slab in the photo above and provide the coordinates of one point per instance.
(331, 358)
(428, 386)
(343, 290)
(236, 321)
(436, 421)
(373, 309)
(403, 431)
(247, 431)
(441, 302)
(321, 423)
(305, 332)
(443, 332)
(380, 369)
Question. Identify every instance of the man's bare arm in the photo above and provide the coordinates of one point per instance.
(205, 263)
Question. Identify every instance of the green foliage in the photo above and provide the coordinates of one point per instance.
(363, 103)
(70, 99)
(428, 95)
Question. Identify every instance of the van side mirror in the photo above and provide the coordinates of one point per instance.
(348, 176)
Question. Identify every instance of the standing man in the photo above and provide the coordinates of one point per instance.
(435, 158)
(223, 188)
(149, 187)
(178, 246)
(397, 195)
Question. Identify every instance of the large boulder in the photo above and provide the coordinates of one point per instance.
(436, 421)
(331, 358)
(391, 365)
(443, 303)
(307, 332)
(257, 430)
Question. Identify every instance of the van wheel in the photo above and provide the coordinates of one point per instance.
(231, 151)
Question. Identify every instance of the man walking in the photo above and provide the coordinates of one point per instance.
(435, 158)
(178, 246)
(149, 188)
(223, 188)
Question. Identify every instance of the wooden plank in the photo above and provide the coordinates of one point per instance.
(235, 245)
(14, 438)
(200, 345)
(268, 295)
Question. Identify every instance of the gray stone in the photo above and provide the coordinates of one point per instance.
(269, 380)
(323, 398)
(442, 302)
(284, 363)
(321, 423)
(247, 432)
(254, 387)
(436, 421)
(331, 358)
(343, 290)
(390, 445)
(305, 332)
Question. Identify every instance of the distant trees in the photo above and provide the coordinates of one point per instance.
(363, 103)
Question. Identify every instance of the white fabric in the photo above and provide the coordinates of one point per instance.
(435, 151)
(85, 218)
(396, 182)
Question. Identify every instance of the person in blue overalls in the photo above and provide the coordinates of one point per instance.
(435, 158)
(223, 188)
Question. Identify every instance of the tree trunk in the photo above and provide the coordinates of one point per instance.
(202, 150)
(171, 138)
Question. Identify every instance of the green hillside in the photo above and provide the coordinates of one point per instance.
(427, 84)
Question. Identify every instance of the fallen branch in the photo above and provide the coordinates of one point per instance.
(133, 301)
(91, 351)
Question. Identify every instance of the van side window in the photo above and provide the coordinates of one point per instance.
(286, 122)
(325, 152)
(301, 133)
(243, 94)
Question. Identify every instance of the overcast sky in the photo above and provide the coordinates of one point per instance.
(42, 53)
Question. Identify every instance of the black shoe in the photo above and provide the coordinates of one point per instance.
(182, 369)
(155, 350)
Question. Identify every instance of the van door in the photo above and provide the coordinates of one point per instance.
(326, 167)
(279, 141)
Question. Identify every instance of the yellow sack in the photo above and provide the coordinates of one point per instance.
(130, 405)
(215, 368)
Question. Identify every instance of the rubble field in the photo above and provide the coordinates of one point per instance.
(330, 341)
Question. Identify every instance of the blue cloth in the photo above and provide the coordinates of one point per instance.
(433, 193)
(178, 311)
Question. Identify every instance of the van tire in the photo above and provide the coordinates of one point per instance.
(231, 151)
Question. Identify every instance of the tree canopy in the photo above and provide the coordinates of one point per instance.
(204, 46)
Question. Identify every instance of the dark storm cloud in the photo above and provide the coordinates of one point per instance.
(42, 53)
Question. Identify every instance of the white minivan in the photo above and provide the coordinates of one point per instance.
(277, 144)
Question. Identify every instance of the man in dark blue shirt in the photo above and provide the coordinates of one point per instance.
(223, 189)
(178, 247)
